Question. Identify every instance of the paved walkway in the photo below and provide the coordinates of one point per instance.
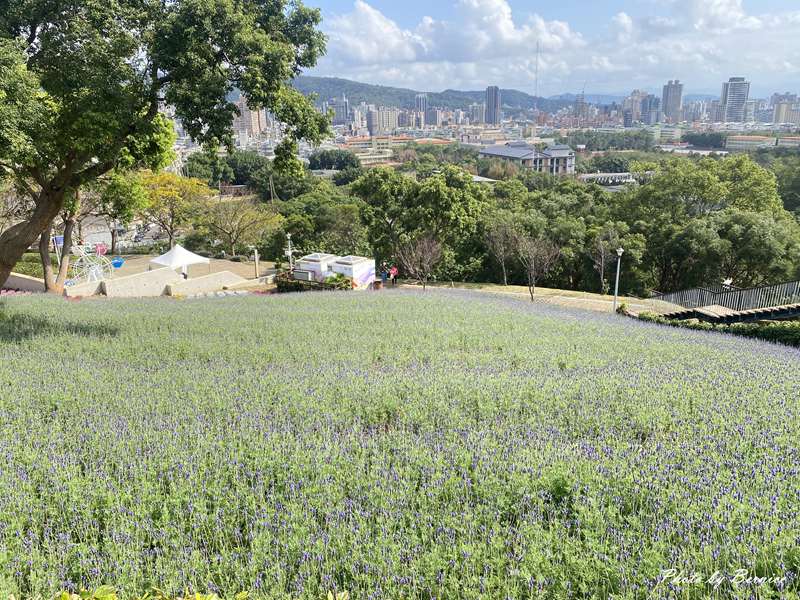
(584, 300)
(139, 263)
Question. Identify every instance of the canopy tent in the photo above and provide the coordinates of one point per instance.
(180, 258)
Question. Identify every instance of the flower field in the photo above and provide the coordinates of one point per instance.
(391, 445)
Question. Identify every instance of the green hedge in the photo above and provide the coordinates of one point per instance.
(285, 285)
(781, 332)
(31, 264)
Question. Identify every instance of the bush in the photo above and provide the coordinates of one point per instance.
(786, 332)
(31, 265)
(284, 284)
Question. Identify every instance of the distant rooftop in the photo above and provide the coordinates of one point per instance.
(524, 151)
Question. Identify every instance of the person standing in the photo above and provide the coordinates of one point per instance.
(393, 275)
(384, 273)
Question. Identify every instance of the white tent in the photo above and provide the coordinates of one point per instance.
(180, 258)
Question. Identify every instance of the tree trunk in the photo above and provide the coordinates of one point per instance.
(15, 240)
(47, 263)
(532, 289)
(114, 239)
(505, 274)
(66, 254)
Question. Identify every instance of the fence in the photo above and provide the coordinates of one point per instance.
(764, 296)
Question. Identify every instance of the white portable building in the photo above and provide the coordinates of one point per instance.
(359, 269)
(318, 263)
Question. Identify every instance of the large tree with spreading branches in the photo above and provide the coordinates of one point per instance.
(82, 82)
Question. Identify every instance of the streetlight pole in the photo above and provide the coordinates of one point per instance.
(620, 252)
(290, 251)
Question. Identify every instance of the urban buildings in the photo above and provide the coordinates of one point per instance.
(633, 104)
(786, 112)
(477, 114)
(672, 101)
(555, 160)
(493, 112)
(421, 103)
(744, 143)
(382, 120)
(733, 101)
(249, 124)
(651, 110)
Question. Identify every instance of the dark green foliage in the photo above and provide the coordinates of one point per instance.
(348, 175)
(338, 160)
(621, 140)
(285, 285)
(709, 139)
(787, 332)
(615, 162)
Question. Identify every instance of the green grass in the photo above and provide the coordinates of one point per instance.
(31, 264)
(393, 445)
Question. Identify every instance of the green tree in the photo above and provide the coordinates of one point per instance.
(333, 159)
(787, 173)
(347, 176)
(758, 248)
(749, 186)
(208, 166)
(239, 222)
(173, 201)
(92, 76)
(122, 197)
(387, 196)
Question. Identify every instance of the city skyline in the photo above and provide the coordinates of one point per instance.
(609, 47)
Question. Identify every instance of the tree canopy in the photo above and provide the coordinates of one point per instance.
(82, 84)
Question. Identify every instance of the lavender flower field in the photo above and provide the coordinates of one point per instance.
(392, 445)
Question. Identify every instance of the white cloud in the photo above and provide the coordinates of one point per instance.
(624, 25)
(721, 16)
(366, 36)
(701, 42)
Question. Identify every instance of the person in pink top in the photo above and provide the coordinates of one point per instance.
(393, 275)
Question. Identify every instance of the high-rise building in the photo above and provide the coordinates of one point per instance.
(249, 123)
(778, 98)
(493, 114)
(341, 110)
(580, 107)
(477, 113)
(433, 117)
(735, 93)
(421, 103)
(651, 110)
(786, 112)
(382, 121)
(633, 104)
(627, 118)
(672, 101)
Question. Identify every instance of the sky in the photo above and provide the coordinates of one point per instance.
(611, 47)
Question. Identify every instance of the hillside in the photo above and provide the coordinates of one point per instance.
(388, 444)
(332, 87)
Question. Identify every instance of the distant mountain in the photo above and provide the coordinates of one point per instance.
(603, 99)
(356, 92)
(699, 97)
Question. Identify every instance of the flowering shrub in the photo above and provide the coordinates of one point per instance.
(785, 332)
(394, 445)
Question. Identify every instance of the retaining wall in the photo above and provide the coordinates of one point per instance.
(24, 283)
(149, 283)
(207, 283)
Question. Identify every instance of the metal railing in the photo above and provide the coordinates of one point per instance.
(765, 296)
(696, 297)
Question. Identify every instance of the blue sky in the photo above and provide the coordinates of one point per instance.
(612, 46)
